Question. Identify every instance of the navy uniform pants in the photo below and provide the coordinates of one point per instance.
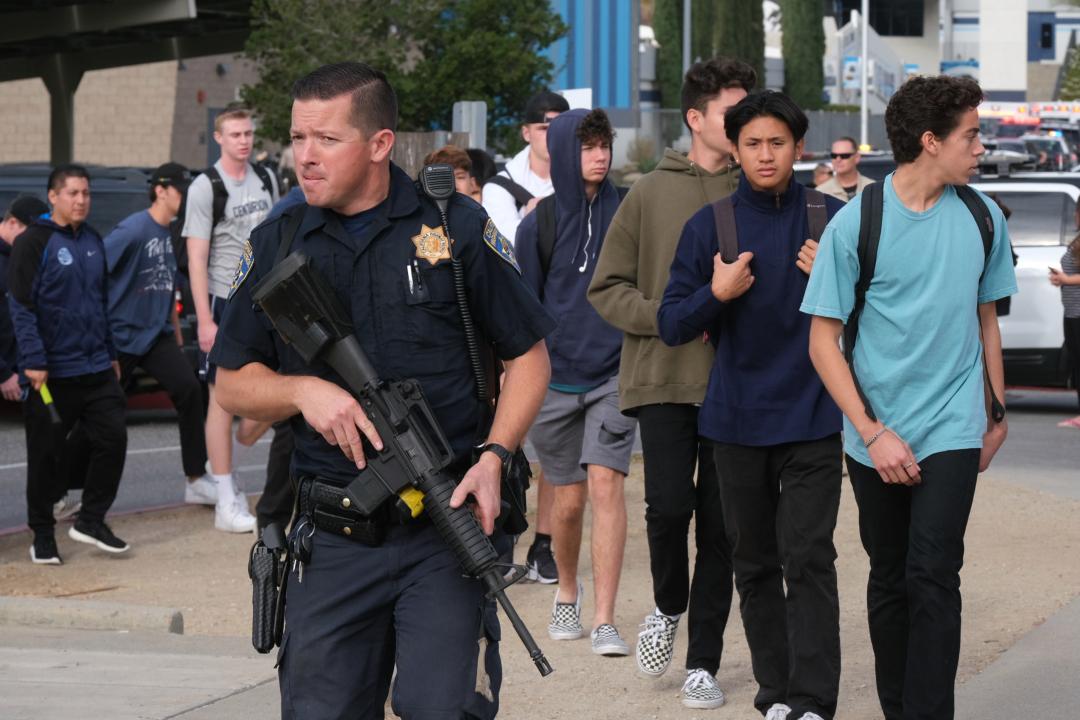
(360, 611)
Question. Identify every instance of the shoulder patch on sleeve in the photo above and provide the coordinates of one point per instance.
(498, 242)
(242, 270)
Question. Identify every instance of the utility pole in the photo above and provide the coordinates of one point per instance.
(686, 49)
(864, 112)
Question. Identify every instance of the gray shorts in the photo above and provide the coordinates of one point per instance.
(578, 429)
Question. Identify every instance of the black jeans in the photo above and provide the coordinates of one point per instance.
(1072, 347)
(276, 503)
(97, 403)
(673, 451)
(165, 362)
(780, 506)
(915, 539)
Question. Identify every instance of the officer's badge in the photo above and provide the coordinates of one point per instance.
(498, 242)
(431, 244)
(242, 270)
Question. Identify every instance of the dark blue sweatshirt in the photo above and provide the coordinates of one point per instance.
(9, 349)
(59, 300)
(584, 349)
(763, 389)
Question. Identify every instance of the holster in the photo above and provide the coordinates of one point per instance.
(268, 568)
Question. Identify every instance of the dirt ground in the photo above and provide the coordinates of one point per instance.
(1023, 565)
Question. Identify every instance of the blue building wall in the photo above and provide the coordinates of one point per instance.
(600, 52)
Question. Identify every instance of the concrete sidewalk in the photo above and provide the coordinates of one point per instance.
(47, 674)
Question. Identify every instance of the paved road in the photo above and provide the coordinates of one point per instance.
(153, 475)
(1037, 454)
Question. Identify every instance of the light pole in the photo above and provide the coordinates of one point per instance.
(864, 119)
(685, 49)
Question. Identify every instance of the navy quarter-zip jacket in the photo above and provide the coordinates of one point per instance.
(58, 299)
(763, 389)
(9, 349)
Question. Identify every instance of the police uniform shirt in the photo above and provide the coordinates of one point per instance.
(397, 284)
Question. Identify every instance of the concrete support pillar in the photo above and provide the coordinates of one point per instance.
(1003, 49)
(62, 79)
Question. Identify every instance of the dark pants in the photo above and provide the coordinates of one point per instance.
(97, 403)
(673, 451)
(361, 610)
(165, 362)
(1072, 348)
(915, 539)
(780, 507)
(276, 503)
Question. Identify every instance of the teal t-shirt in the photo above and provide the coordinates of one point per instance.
(918, 355)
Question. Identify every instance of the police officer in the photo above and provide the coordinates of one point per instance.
(378, 592)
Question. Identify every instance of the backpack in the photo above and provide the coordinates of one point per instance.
(521, 195)
(221, 193)
(546, 223)
(728, 235)
(873, 203)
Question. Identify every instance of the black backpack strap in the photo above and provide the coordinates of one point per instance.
(221, 197)
(545, 230)
(521, 195)
(977, 206)
(264, 176)
(873, 203)
(727, 234)
(290, 233)
(816, 214)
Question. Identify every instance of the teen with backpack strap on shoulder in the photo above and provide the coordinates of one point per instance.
(913, 267)
(738, 277)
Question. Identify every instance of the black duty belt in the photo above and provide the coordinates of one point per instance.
(325, 502)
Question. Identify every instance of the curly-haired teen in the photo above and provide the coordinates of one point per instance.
(920, 362)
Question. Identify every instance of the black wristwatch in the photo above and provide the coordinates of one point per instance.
(505, 455)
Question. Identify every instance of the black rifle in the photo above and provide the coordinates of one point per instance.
(302, 306)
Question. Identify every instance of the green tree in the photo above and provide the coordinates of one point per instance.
(667, 27)
(290, 38)
(435, 52)
(740, 33)
(486, 50)
(804, 47)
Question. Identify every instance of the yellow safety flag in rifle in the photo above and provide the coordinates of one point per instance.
(413, 499)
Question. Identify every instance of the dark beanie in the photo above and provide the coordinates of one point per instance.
(27, 208)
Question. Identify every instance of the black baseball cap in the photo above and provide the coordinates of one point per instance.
(27, 208)
(542, 103)
(173, 174)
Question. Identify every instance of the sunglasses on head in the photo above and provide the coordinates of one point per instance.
(840, 156)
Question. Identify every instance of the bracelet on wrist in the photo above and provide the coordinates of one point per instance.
(879, 433)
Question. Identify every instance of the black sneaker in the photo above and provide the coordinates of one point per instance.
(507, 559)
(44, 552)
(97, 533)
(541, 564)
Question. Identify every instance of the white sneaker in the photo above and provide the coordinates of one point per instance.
(779, 711)
(201, 492)
(65, 507)
(701, 690)
(234, 518)
(812, 716)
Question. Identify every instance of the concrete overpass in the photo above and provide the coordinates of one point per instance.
(60, 40)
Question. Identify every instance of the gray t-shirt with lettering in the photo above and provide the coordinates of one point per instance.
(248, 205)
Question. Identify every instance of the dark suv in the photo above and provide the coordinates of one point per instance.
(115, 193)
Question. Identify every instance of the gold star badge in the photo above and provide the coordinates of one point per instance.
(431, 244)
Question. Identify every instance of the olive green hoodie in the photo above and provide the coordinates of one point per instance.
(632, 272)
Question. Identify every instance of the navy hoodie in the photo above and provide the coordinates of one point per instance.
(59, 300)
(9, 349)
(584, 349)
(763, 389)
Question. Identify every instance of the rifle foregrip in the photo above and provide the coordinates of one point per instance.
(460, 528)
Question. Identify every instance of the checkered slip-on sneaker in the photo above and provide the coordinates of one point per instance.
(607, 641)
(701, 691)
(566, 618)
(656, 644)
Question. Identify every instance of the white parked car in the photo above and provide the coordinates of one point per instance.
(1042, 223)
